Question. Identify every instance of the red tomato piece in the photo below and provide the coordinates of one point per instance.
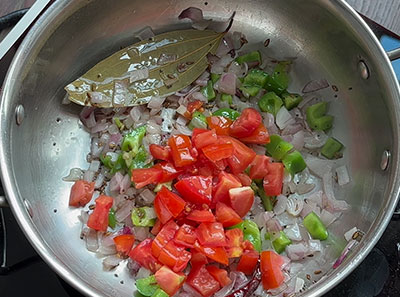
(226, 215)
(160, 152)
(242, 200)
(168, 280)
(211, 234)
(143, 255)
(220, 124)
(198, 259)
(201, 216)
(169, 172)
(166, 234)
(259, 168)
(157, 227)
(146, 176)
(98, 219)
(246, 123)
(244, 179)
(194, 105)
(226, 181)
(271, 272)
(274, 179)
(202, 281)
(124, 243)
(171, 201)
(181, 148)
(186, 236)
(220, 275)
(234, 238)
(174, 256)
(247, 245)
(217, 152)
(217, 254)
(242, 154)
(259, 136)
(81, 193)
(248, 262)
(202, 137)
(196, 189)
(162, 212)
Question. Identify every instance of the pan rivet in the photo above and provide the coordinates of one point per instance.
(364, 71)
(385, 160)
(19, 114)
(28, 208)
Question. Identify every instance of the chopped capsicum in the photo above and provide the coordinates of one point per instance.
(315, 226)
(215, 77)
(279, 80)
(254, 56)
(133, 140)
(208, 91)
(147, 286)
(199, 120)
(112, 221)
(227, 113)
(291, 100)
(317, 118)
(256, 77)
(294, 162)
(143, 216)
(106, 160)
(119, 124)
(160, 293)
(331, 148)
(270, 102)
(119, 164)
(281, 242)
(250, 233)
(277, 148)
(249, 90)
(226, 98)
(140, 160)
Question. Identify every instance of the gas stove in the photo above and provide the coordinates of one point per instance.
(23, 273)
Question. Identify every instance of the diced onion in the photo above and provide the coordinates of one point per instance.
(342, 175)
(74, 175)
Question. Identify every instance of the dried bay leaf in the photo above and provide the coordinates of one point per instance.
(187, 51)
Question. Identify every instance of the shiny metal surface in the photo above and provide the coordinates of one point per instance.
(328, 40)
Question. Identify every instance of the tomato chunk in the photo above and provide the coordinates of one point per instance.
(234, 238)
(202, 281)
(98, 219)
(221, 275)
(167, 205)
(124, 243)
(146, 176)
(259, 168)
(174, 256)
(166, 234)
(168, 280)
(242, 154)
(201, 216)
(160, 152)
(259, 136)
(211, 234)
(181, 148)
(142, 254)
(226, 181)
(202, 137)
(220, 124)
(196, 189)
(169, 172)
(226, 215)
(198, 259)
(81, 193)
(244, 179)
(272, 275)
(186, 236)
(242, 200)
(157, 227)
(273, 181)
(248, 262)
(218, 254)
(246, 123)
(194, 105)
(217, 152)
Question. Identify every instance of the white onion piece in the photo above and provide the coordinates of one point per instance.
(89, 121)
(181, 109)
(318, 166)
(280, 205)
(284, 118)
(141, 233)
(125, 184)
(92, 243)
(302, 189)
(241, 280)
(315, 85)
(273, 225)
(94, 165)
(315, 140)
(298, 140)
(199, 96)
(124, 211)
(342, 175)
(146, 197)
(331, 203)
(309, 206)
(74, 175)
(314, 245)
(269, 122)
(138, 74)
(156, 102)
(299, 285)
(193, 13)
(167, 115)
(152, 127)
(285, 219)
(143, 272)
(191, 291)
(110, 262)
(133, 266)
(181, 120)
(349, 234)
(115, 182)
(296, 251)
(262, 218)
(135, 113)
(99, 181)
(106, 247)
(316, 198)
(88, 176)
(83, 217)
(101, 126)
(328, 218)
(227, 83)
(238, 70)
(293, 232)
(258, 149)
(294, 206)
(145, 33)
(228, 288)
(112, 129)
(153, 138)
(183, 129)
(202, 79)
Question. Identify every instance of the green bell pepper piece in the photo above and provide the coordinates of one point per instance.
(139, 161)
(249, 90)
(250, 57)
(208, 91)
(147, 286)
(168, 185)
(227, 98)
(227, 113)
(250, 233)
(281, 242)
(270, 102)
(316, 117)
(315, 226)
(198, 121)
(133, 140)
(119, 124)
(277, 148)
(279, 80)
(294, 162)
(143, 216)
(160, 293)
(119, 164)
(256, 77)
(215, 77)
(112, 221)
(291, 100)
(106, 160)
(331, 148)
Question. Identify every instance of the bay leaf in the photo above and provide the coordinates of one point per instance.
(112, 77)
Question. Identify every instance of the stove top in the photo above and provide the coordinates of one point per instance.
(27, 275)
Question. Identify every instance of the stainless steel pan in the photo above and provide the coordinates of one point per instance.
(41, 139)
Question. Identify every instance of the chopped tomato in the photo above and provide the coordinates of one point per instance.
(218, 254)
(202, 137)
(211, 234)
(208, 168)
(246, 123)
(226, 181)
(142, 254)
(160, 152)
(244, 179)
(242, 154)
(186, 236)
(201, 216)
(259, 136)
(157, 227)
(124, 243)
(169, 172)
(181, 148)
(81, 193)
(162, 212)
(167, 203)
(202, 281)
(274, 179)
(196, 189)
(248, 262)
(146, 176)
(259, 168)
(217, 152)
(242, 200)
(234, 238)
(174, 256)
(194, 105)
(247, 245)
(98, 219)
(198, 259)
(220, 275)
(168, 280)
(220, 124)
(226, 215)
(271, 272)
(166, 234)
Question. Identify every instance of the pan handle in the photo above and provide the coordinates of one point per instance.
(394, 54)
(3, 202)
